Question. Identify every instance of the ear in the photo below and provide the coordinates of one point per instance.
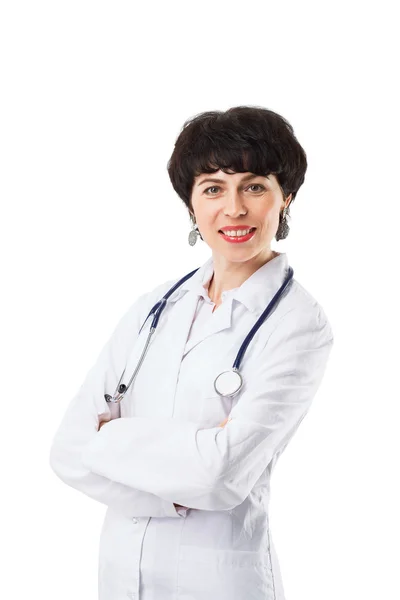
(288, 200)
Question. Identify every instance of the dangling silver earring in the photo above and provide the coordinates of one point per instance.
(283, 228)
(193, 234)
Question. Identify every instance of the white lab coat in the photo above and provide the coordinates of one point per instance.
(168, 448)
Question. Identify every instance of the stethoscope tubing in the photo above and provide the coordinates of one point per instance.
(159, 307)
(261, 319)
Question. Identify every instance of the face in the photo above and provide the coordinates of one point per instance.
(237, 201)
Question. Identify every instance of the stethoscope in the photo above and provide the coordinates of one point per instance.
(227, 383)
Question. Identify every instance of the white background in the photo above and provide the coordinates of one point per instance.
(93, 96)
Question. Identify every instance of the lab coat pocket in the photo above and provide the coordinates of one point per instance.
(224, 574)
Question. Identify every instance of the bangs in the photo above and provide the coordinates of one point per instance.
(239, 140)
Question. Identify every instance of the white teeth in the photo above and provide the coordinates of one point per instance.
(237, 233)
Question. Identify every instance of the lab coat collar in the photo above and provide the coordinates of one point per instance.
(255, 293)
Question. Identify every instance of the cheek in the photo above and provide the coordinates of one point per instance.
(207, 221)
(269, 216)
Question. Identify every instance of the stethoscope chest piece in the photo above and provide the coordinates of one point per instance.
(228, 383)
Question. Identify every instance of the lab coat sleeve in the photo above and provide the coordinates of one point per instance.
(81, 420)
(216, 468)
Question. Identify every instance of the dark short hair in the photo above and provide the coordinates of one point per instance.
(241, 139)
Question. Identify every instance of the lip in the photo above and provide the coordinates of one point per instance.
(238, 239)
(234, 227)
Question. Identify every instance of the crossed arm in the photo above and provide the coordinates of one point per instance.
(103, 422)
(149, 467)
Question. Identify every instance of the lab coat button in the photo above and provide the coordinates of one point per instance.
(131, 595)
(134, 521)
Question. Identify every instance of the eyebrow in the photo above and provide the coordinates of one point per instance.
(245, 178)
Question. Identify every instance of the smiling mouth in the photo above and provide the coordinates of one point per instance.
(236, 235)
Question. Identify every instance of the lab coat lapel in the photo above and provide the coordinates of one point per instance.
(218, 321)
(171, 345)
(157, 378)
(174, 328)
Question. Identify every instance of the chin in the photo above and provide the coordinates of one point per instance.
(236, 255)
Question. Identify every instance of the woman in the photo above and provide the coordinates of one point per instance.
(185, 472)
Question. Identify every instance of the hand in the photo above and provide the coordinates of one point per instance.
(221, 425)
(102, 423)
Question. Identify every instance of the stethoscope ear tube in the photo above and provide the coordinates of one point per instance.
(121, 388)
(113, 399)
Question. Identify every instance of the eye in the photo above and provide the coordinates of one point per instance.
(217, 187)
(210, 188)
(257, 184)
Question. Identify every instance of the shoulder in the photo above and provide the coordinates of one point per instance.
(129, 324)
(141, 306)
(301, 311)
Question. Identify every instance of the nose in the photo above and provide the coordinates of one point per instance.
(234, 205)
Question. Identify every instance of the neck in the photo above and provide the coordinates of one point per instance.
(228, 275)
